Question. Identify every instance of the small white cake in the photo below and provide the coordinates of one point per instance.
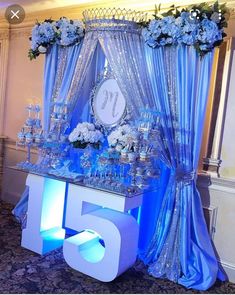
(131, 157)
(143, 156)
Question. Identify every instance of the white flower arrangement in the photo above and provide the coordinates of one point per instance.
(123, 137)
(84, 134)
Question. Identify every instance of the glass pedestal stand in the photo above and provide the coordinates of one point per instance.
(86, 160)
(27, 163)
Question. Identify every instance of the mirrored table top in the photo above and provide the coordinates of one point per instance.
(129, 191)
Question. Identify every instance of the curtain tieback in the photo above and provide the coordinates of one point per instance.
(184, 176)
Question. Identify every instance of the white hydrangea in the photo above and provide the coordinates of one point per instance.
(124, 135)
(86, 133)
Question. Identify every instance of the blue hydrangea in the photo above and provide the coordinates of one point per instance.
(189, 34)
(184, 30)
(42, 34)
(161, 32)
(155, 28)
(150, 36)
(69, 32)
(204, 47)
(170, 28)
(185, 15)
(188, 28)
(209, 32)
(187, 39)
(63, 32)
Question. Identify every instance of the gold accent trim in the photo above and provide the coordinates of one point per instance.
(19, 33)
(4, 34)
(4, 48)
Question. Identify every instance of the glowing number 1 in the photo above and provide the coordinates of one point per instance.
(44, 231)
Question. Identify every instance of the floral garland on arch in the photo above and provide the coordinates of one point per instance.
(63, 32)
(201, 26)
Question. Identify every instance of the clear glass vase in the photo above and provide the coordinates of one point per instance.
(76, 162)
(86, 159)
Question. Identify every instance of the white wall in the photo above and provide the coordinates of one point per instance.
(227, 169)
(24, 85)
(220, 195)
(24, 82)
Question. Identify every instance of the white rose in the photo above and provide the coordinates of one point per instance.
(42, 49)
(91, 126)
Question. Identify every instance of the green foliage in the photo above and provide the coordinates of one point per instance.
(79, 145)
(33, 54)
(157, 11)
(82, 145)
(205, 9)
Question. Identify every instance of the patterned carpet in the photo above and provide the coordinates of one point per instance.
(22, 271)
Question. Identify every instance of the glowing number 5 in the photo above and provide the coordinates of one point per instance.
(85, 251)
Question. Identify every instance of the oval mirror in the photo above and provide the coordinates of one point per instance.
(108, 103)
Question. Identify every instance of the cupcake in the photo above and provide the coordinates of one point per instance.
(28, 138)
(54, 136)
(63, 138)
(118, 147)
(132, 157)
(38, 138)
(38, 123)
(20, 136)
(143, 156)
(124, 153)
(139, 171)
(29, 122)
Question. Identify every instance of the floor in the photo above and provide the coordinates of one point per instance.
(22, 271)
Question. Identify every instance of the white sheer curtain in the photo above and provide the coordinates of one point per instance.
(124, 52)
(81, 70)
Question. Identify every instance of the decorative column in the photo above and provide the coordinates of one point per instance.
(2, 138)
(213, 159)
(209, 111)
(4, 46)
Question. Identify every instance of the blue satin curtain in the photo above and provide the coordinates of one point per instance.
(181, 248)
(50, 69)
(148, 213)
